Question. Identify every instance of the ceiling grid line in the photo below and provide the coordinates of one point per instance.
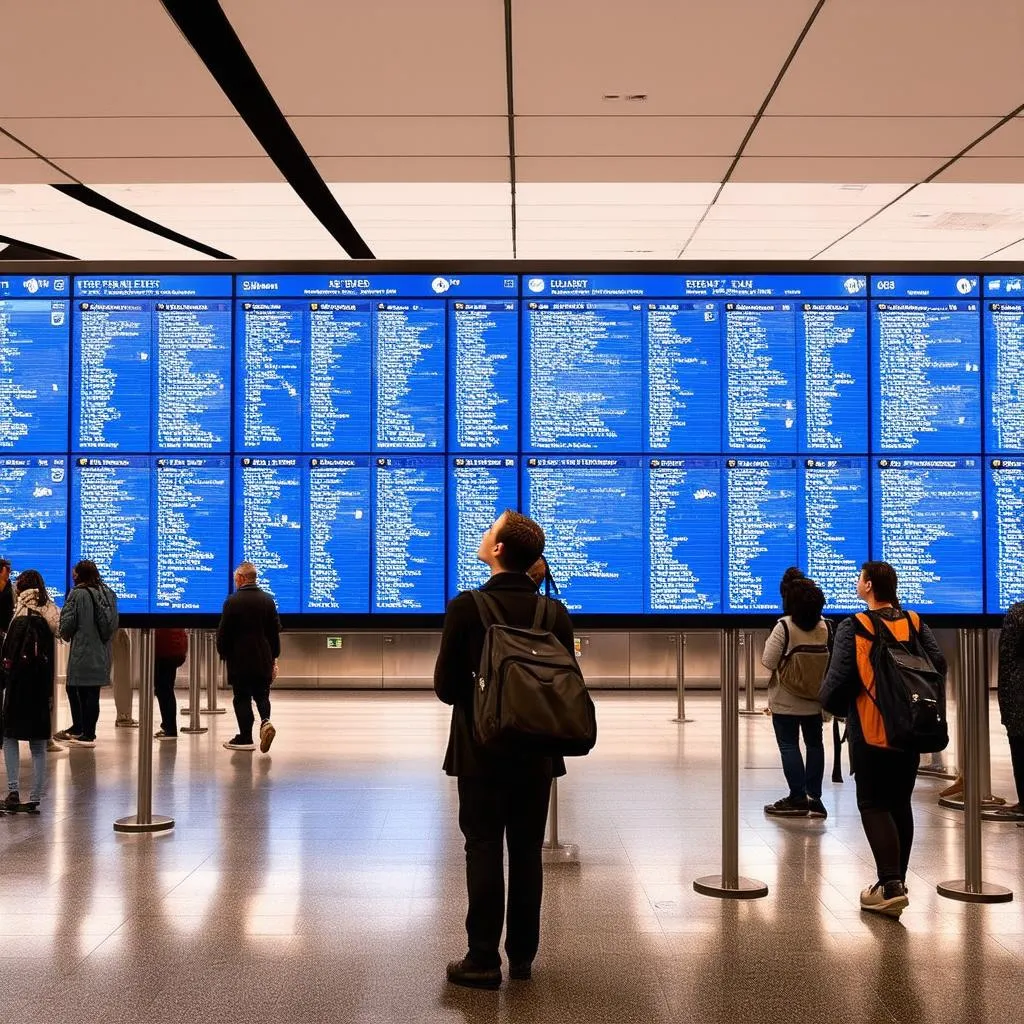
(751, 128)
(511, 103)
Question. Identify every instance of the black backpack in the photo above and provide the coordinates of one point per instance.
(529, 696)
(907, 710)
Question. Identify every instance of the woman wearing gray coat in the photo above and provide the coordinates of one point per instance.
(88, 620)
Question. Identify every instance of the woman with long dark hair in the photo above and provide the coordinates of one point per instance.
(89, 620)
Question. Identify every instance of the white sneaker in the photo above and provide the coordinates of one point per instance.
(889, 899)
(125, 722)
(238, 744)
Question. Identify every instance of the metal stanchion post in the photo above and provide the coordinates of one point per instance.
(193, 684)
(144, 820)
(553, 851)
(212, 669)
(680, 642)
(747, 643)
(974, 689)
(730, 884)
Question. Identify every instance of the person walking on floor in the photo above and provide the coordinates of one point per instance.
(249, 641)
(796, 653)
(27, 680)
(503, 798)
(121, 679)
(170, 652)
(1010, 691)
(885, 777)
(89, 621)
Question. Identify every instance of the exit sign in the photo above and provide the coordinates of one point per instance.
(335, 643)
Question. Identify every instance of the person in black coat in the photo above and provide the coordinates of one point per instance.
(249, 641)
(27, 680)
(503, 799)
(1010, 690)
(6, 596)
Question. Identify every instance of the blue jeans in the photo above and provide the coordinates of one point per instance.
(12, 755)
(803, 781)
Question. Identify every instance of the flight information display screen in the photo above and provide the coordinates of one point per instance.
(926, 522)
(682, 437)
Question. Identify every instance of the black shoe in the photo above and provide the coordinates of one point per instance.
(13, 802)
(787, 808)
(464, 972)
(520, 972)
(239, 743)
(32, 807)
(815, 808)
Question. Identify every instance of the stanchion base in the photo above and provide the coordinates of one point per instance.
(959, 890)
(682, 721)
(988, 803)
(745, 889)
(936, 772)
(750, 714)
(213, 711)
(197, 731)
(1001, 814)
(560, 853)
(160, 823)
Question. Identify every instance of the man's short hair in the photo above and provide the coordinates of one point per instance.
(247, 571)
(5, 563)
(522, 540)
(882, 577)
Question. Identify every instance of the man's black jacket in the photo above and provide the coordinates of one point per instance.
(462, 643)
(249, 634)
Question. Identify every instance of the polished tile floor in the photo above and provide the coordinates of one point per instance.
(324, 882)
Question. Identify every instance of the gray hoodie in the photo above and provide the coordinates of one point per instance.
(89, 620)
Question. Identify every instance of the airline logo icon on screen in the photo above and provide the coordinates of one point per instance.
(535, 284)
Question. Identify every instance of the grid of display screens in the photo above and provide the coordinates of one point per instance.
(681, 438)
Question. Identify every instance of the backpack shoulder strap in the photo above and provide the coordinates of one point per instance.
(915, 621)
(785, 636)
(544, 614)
(488, 609)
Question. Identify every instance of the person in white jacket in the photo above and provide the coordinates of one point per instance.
(28, 686)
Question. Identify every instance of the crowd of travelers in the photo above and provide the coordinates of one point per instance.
(507, 666)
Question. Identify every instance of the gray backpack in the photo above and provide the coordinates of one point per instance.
(802, 668)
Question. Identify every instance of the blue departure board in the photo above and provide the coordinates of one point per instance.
(592, 511)
(926, 366)
(409, 365)
(191, 517)
(833, 364)
(480, 488)
(1004, 366)
(409, 534)
(684, 368)
(1004, 532)
(111, 523)
(582, 377)
(33, 517)
(338, 376)
(337, 526)
(926, 522)
(834, 515)
(34, 341)
(483, 376)
(268, 517)
(684, 535)
(761, 538)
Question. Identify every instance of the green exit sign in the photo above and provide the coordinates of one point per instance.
(335, 643)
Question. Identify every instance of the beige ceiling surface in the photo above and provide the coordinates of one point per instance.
(628, 120)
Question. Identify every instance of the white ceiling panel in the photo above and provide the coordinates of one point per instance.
(636, 135)
(621, 168)
(401, 194)
(693, 58)
(1005, 141)
(772, 196)
(606, 216)
(30, 171)
(882, 250)
(834, 169)
(402, 136)
(911, 57)
(865, 136)
(43, 216)
(110, 137)
(614, 193)
(1013, 252)
(441, 169)
(385, 57)
(65, 58)
(249, 221)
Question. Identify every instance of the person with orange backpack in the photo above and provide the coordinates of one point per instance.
(887, 678)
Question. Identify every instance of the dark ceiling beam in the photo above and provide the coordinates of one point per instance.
(205, 26)
(16, 249)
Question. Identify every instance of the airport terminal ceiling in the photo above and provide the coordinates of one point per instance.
(683, 435)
